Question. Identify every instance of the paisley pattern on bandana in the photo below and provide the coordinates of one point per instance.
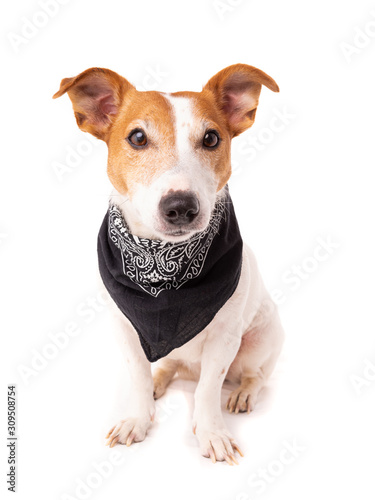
(155, 265)
(170, 292)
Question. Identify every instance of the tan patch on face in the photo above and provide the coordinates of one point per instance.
(129, 166)
(207, 116)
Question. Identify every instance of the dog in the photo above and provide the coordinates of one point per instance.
(185, 291)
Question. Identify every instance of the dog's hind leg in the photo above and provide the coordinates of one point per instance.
(244, 397)
(254, 363)
(164, 373)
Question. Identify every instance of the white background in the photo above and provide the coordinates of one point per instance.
(310, 179)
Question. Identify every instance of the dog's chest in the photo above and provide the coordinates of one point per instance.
(192, 350)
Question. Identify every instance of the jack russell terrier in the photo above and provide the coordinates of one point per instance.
(185, 290)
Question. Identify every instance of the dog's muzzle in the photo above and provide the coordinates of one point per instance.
(179, 208)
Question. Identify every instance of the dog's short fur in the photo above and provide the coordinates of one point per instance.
(243, 341)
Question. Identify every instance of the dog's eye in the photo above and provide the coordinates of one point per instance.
(211, 139)
(137, 138)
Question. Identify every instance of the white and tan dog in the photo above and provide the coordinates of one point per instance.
(180, 143)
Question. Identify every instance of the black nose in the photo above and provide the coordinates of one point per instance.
(179, 207)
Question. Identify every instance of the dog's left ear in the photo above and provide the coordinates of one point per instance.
(236, 90)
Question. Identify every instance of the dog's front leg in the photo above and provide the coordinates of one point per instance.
(219, 351)
(141, 405)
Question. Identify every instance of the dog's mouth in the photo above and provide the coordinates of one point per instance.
(177, 235)
(178, 232)
(181, 232)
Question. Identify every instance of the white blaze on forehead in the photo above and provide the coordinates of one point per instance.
(191, 171)
(184, 124)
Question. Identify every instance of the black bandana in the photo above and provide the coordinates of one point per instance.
(170, 291)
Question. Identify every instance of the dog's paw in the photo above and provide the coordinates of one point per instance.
(241, 400)
(128, 431)
(218, 445)
(160, 387)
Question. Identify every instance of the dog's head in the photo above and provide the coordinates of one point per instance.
(169, 154)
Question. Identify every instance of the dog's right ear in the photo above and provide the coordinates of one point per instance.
(96, 94)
